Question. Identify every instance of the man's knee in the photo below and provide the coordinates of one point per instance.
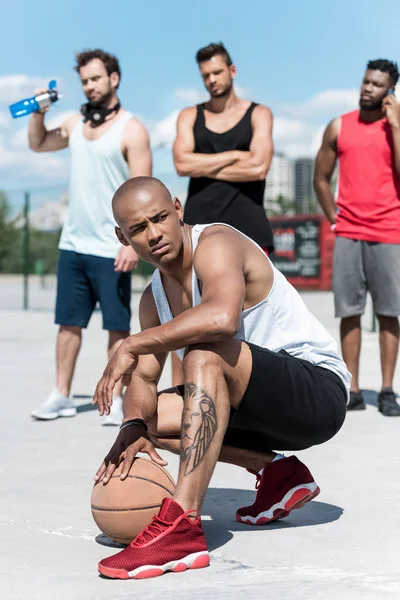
(349, 323)
(206, 355)
(72, 330)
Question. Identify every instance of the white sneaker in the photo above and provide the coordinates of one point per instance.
(55, 406)
(116, 416)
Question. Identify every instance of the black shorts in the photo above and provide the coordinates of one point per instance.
(289, 404)
(82, 281)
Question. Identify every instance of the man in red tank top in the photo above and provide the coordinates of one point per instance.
(366, 220)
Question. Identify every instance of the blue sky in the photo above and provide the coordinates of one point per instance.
(304, 59)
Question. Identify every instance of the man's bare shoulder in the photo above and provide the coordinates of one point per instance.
(147, 297)
(218, 237)
(188, 114)
(334, 126)
(262, 112)
(148, 314)
(134, 126)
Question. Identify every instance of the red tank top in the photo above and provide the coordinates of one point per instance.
(368, 195)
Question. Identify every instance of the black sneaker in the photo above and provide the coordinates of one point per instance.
(387, 404)
(356, 401)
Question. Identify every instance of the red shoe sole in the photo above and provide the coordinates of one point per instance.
(147, 572)
(297, 500)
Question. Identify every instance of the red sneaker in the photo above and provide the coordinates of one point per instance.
(171, 542)
(285, 484)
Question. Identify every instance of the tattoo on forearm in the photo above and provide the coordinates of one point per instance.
(199, 424)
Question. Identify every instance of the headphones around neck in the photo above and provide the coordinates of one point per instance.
(97, 114)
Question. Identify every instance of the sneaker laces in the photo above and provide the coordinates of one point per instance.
(258, 477)
(150, 532)
(156, 527)
(388, 395)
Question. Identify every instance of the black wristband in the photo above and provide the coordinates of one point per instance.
(133, 422)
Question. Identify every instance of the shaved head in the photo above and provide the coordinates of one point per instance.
(149, 220)
(138, 191)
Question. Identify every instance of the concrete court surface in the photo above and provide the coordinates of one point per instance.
(344, 545)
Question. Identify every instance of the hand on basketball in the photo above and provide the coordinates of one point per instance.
(391, 110)
(126, 260)
(121, 366)
(130, 441)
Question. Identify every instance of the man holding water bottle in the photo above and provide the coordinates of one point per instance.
(366, 220)
(108, 145)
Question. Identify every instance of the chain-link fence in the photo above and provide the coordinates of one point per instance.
(30, 227)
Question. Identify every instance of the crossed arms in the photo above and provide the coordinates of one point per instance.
(233, 165)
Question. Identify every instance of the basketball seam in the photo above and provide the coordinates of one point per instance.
(160, 468)
(169, 477)
(145, 479)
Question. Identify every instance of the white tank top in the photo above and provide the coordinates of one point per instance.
(279, 322)
(98, 168)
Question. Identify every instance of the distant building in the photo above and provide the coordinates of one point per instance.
(304, 195)
(280, 181)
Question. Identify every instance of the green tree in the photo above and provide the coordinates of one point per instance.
(282, 206)
(9, 234)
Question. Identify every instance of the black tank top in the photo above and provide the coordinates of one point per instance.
(239, 204)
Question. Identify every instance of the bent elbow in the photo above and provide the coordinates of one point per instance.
(262, 172)
(319, 181)
(181, 167)
(226, 325)
(181, 171)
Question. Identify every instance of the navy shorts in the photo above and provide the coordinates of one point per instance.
(82, 281)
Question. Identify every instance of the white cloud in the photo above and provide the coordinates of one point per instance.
(19, 139)
(162, 133)
(17, 159)
(18, 87)
(5, 121)
(191, 95)
(294, 137)
(329, 103)
(288, 129)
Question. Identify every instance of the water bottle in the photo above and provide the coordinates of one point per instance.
(39, 102)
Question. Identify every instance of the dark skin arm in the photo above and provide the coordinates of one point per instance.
(391, 110)
(324, 167)
(215, 319)
(140, 401)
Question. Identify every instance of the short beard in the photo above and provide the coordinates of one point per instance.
(225, 92)
(104, 100)
(371, 107)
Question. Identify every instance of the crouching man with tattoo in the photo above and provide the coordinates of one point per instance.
(261, 374)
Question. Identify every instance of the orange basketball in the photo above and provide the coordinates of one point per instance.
(122, 509)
